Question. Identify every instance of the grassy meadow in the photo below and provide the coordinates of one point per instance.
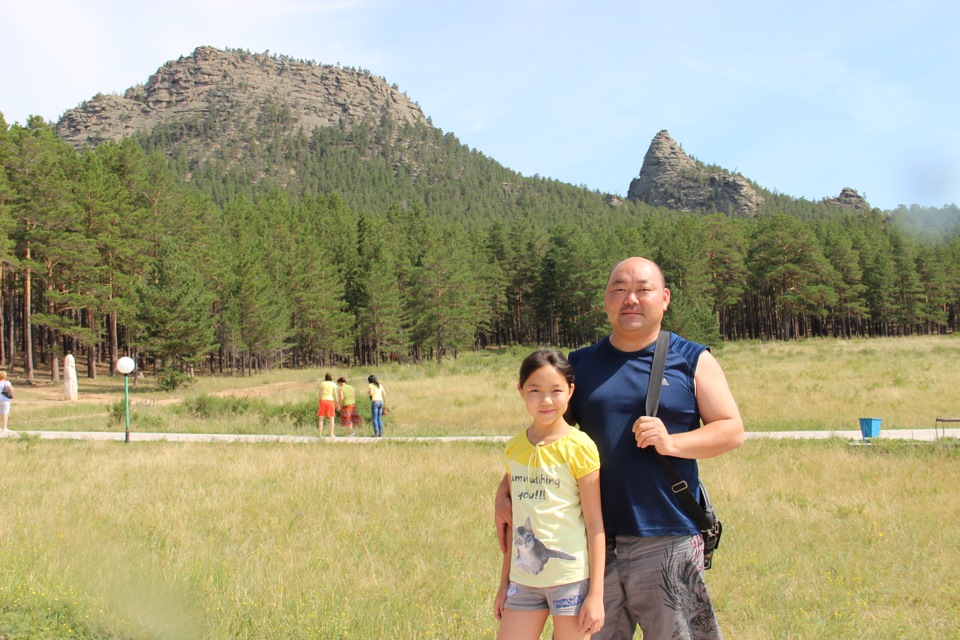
(222, 541)
(102, 540)
(803, 385)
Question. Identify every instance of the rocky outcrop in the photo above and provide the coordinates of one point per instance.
(670, 178)
(850, 199)
(233, 87)
(613, 201)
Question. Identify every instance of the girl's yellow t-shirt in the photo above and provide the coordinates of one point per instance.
(549, 533)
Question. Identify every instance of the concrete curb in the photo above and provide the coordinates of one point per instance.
(920, 435)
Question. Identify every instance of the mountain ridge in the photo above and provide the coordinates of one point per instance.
(220, 108)
(670, 178)
(203, 83)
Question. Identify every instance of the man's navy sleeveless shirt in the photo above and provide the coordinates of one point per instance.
(610, 395)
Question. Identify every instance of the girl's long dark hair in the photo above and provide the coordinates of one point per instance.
(542, 358)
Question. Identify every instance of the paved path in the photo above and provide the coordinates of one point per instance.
(234, 437)
(920, 435)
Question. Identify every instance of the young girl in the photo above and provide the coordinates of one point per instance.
(377, 396)
(555, 563)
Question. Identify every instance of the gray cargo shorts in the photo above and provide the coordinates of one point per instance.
(656, 583)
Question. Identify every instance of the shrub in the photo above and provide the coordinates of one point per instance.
(172, 379)
(142, 420)
(205, 406)
(300, 414)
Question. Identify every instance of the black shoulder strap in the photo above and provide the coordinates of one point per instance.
(656, 372)
(678, 484)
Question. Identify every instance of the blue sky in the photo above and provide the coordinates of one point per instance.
(804, 98)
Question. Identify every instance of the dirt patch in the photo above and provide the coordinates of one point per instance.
(263, 390)
(46, 392)
(49, 392)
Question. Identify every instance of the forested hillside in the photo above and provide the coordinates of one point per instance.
(372, 165)
(396, 241)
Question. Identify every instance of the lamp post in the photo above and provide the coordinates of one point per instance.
(126, 366)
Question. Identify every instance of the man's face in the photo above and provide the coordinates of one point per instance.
(636, 298)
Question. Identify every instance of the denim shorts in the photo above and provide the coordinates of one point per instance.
(562, 600)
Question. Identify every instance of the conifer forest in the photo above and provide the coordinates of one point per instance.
(382, 243)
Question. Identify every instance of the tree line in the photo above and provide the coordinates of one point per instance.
(110, 252)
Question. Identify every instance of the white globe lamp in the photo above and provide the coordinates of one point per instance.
(126, 365)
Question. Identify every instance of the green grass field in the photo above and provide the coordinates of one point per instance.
(102, 540)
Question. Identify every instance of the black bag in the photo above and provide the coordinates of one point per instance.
(7, 391)
(711, 535)
(702, 511)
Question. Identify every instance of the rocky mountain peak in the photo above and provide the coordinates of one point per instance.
(237, 87)
(671, 178)
(849, 198)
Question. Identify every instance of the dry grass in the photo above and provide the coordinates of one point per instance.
(173, 541)
(166, 540)
(475, 394)
(829, 384)
(814, 384)
(827, 540)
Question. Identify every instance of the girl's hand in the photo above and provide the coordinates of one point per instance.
(499, 601)
(591, 613)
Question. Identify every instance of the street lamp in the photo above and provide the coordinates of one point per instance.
(126, 366)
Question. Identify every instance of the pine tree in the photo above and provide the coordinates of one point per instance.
(42, 174)
(322, 326)
(724, 249)
(381, 317)
(256, 313)
(568, 293)
(447, 305)
(788, 268)
(838, 248)
(174, 309)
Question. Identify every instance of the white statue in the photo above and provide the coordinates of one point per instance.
(69, 377)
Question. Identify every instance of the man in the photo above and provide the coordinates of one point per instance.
(654, 572)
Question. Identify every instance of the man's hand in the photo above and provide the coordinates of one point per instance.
(503, 514)
(651, 432)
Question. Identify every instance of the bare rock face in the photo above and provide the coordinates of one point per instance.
(851, 199)
(670, 178)
(613, 201)
(217, 84)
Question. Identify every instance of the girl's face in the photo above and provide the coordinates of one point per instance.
(547, 394)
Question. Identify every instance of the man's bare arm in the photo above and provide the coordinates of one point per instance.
(722, 428)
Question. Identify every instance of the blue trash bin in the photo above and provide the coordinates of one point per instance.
(870, 427)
